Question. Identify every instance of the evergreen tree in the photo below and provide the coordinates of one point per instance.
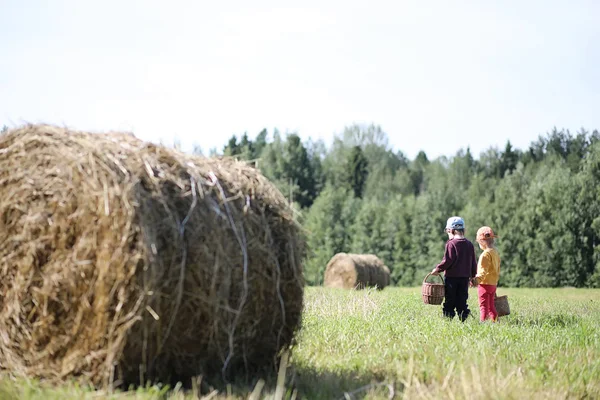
(232, 148)
(298, 169)
(398, 228)
(357, 171)
(417, 171)
(490, 164)
(288, 165)
(316, 153)
(246, 148)
(260, 142)
(509, 159)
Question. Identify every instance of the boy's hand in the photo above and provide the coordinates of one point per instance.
(435, 272)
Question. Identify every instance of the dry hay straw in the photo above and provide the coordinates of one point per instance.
(123, 261)
(358, 271)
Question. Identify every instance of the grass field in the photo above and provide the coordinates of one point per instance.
(375, 344)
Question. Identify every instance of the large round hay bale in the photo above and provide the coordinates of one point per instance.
(123, 261)
(358, 271)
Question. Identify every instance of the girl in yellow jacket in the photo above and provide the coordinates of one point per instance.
(488, 273)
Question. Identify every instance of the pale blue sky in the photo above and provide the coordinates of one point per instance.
(436, 75)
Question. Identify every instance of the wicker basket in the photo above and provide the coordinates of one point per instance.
(502, 306)
(433, 293)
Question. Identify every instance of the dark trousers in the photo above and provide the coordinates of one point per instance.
(457, 293)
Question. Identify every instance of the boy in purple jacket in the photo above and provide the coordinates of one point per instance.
(459, 266)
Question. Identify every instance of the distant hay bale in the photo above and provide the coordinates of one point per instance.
(356, 271)
(123, 261)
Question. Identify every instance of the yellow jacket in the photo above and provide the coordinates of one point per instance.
(488, 267)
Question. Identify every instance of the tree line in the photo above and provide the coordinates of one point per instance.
(358, 195)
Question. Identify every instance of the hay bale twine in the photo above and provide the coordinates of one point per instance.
(358, 271)
(123, 261)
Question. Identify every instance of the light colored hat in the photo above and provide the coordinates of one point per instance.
(455, 223)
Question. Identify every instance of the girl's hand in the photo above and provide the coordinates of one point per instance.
(434, 272)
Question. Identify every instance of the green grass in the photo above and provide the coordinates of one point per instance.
(369, 344)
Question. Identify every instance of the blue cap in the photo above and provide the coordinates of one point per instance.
(455, 223)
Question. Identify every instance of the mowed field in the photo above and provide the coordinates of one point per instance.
(388, 344)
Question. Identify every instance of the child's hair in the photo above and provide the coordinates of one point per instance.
(489, 241)
(459, 231)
